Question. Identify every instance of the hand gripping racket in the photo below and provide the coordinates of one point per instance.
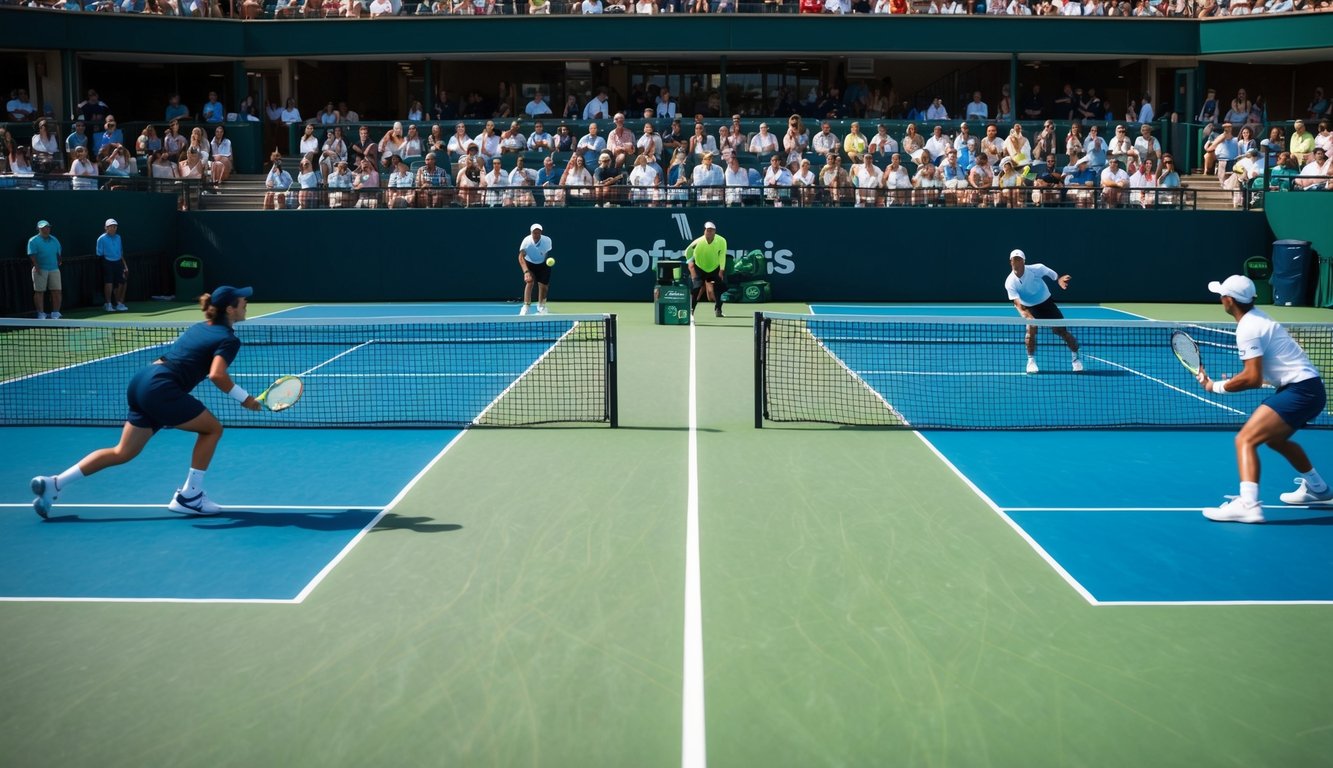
(282, 394)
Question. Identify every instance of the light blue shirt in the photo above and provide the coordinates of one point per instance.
(109, 247)
(213, 112)
(46, 251)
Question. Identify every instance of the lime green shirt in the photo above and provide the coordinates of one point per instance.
(1302, 144)
(707, 256)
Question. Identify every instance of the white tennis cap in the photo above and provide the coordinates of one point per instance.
(709, 225)
(110, 223)
(1017, 254)
(1238, 287)
(534, 227)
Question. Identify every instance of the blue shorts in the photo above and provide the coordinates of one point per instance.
(157, 400)
(1300, 403)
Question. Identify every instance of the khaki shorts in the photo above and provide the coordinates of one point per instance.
(45, 280)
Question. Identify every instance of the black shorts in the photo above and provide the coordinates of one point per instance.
(714, 277)
(540, 273)
(113, 272)
(1047, 310)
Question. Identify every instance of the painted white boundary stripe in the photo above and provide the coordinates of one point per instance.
(693, 748)
(1069, 579)
(1325, 508)
(229, 507)
(300, 596)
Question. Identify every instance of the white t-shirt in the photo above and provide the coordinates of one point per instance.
(1258, 335)
(1031, 288)
(535, 251)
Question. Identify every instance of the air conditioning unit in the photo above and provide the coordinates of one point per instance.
(860, 66)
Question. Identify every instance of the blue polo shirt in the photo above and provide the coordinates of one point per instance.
(109, 247)
(46, 250)
(213, 112)
(191, 356)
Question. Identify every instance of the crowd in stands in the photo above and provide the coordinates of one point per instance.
(664, 158)
(280, 9)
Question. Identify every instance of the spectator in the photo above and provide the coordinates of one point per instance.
(1065, 104)
(548, 182)
(1318, 172)
(665, 106)
(220, 152)
(620, 142)
(1018, 148)
(290, 115)
(46, 257)
(1275, 143)
(1220, 151)
(882, 145)
(1081, 179)
(1033, 105)
(213, 111)
(109, 135)
(521, 181)
(539, 140)
(416, 113)
(650, 144)
(307, 181)
(20, 163)
(459, 142)
(413, 150)
(1246, 141)
(763, 142)
(1146, 146)
(678, 177)
(1121, 146)
(1302, 143)
(1239, 111)
(645, 182)
(1095, 148)
(162, 167)
(78, 137)
(1114, 182)
(979, 181)
(868, 181)
(1319, 106)
(45, 149)
(992, 146)
(173, 142)
(1048, 183)
(597, 107)
(1168, 178)
(825, 142)
(277, 183)
(339, 182)
(1146, 113)
(937, 146)
(736, 179)
(1144, 177)
(538, 106)
(333, 152)
(118, 163)
(148, 143)
(1208, 112)
(854, 144)
(1090, 107)
(576, 179)
(83, 170)
(488, 141)
(707, 178)
(19, 108)
(400, 188)
(115, 269)
(328, 115)
(833, 178)
(977, 109)
(896, 182)
(936, 110)
(1325, 137)
(93, 110)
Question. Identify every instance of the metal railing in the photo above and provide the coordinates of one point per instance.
(190, 190)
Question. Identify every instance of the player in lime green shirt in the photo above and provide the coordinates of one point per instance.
(707, 260)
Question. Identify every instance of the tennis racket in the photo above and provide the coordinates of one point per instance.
(282, 394)
(1186, 350)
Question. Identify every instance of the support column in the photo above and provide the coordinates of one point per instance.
(1013, 89)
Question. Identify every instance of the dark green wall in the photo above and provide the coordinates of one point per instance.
(774, 35)
(818, 254)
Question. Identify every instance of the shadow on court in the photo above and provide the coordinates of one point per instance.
(393, 522)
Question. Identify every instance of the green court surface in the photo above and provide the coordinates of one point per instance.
(525, 605)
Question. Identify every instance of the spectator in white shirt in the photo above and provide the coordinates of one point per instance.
(763, 142)
(937, 145)
(936, 110)
(538, 106)
(737, 180)
(1114, 183)
(597, 108)
(290, 115)
(1146, 111)
(976, 108)
(778, 181)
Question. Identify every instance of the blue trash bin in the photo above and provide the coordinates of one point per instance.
(1292, 267)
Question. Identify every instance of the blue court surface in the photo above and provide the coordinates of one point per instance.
(1117, 513)
(294, 500)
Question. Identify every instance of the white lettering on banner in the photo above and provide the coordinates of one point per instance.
(636, 261)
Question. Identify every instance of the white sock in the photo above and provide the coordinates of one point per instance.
(1074, 354)
(1313, 481)
(1249, 492)
(68, 476)
(194, 482)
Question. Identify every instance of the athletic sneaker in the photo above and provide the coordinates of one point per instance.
(41, 315)
(718, 311)
(1303, 494)
(541, 309)
(1032, 366)
(56, 315)
(524, 310)
(107, 307)
(122, 308)
(1236, 511)
(198, 504)
(1077, 365)
(45, 488)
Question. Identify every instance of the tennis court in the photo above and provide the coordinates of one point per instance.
(682, 589)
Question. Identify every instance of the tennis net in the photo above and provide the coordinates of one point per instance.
(410, 372)
(970, 373)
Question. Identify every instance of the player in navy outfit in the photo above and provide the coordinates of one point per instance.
(159, 396)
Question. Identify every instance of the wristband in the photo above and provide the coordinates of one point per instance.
(1220, 387)
(238, 394)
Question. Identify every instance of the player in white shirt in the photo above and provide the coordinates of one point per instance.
(1027, 289)
(1270, 356)
(532, 255)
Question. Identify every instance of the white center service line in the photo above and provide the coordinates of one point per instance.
(693, 752)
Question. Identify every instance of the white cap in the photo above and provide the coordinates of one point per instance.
(1018, 254)
(110, 223)
(534, 227)
(1238, 287)
(709, 225)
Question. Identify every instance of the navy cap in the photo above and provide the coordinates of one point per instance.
(225, 295)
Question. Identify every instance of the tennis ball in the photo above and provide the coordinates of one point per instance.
(550, 262)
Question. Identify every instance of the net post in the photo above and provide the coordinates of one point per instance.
(612, 394)
(758, 370)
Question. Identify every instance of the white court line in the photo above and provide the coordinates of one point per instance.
(1066, 575)
(1155, 509)
(693, 748)
(228, 507)
(1167, 385)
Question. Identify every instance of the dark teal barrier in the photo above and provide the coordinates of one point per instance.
(904, 255)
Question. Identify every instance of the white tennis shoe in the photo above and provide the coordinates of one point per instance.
(1236, 511)
(524, 310)
(41, 315)
(1077, 365)
(541, 309)
(198, 504)
(1032, 366)
(56, 315)
(122, 308)
(45, 488)
(108, 307)
(1303, 494)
